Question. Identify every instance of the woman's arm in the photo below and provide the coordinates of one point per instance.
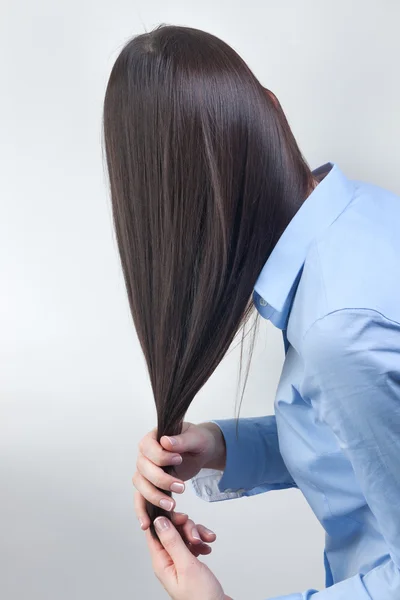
(253, 462)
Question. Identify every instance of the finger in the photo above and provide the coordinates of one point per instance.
(188, 441)
(201, 549)
(191, 533)
(140, 509)
(152, 494)
(204, 550)
(150, 448)
(158, 477)
(196, 547)
(206, 534)
(178, 518)
(173, 542)
(159, 556)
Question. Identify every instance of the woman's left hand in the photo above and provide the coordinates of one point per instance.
(183, 576)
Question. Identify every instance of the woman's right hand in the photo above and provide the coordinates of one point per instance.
(197, 447)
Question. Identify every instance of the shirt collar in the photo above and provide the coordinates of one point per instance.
(277, 283)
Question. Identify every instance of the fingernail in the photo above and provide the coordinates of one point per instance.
(172, 440)
(177, 487)
(176, 460)
(161, 523)
(196, 534)
(209, 531)
(141, 522)
(179, 514)
(167, 504)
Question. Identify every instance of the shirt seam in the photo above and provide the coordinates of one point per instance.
(350, 310)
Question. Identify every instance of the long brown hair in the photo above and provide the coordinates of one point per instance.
(204, 175)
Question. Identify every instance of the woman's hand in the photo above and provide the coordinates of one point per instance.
(183, 576)
(198, 446)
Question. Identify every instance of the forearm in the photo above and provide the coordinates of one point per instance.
(250, 463)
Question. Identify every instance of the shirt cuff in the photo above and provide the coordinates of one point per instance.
(253, 461)
(206, 486)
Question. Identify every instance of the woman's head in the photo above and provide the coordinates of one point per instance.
(204, 176)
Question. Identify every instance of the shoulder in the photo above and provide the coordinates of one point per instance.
(354, 264)
(346, 340)
(360, 253)
(357, 258)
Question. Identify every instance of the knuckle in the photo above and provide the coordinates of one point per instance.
(188, 527)
(160, 481)
(139, 462)
(171, 545)
(137, 501)
(135, 479)
(159, 456)
(171, 539)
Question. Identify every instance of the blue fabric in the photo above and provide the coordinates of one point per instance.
(332, 285)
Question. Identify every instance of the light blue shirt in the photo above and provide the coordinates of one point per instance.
(332, 284)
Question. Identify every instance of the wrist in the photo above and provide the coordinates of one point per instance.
(217, 457)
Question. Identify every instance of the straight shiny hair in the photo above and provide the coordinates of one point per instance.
(204, 176)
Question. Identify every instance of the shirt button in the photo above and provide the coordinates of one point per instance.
(208, 490)
(262, 302)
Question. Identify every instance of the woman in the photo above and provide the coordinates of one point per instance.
(214, 206)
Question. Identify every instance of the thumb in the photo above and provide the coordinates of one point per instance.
(192, 440)
(173, 543)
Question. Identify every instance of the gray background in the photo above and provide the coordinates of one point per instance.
(75, 398)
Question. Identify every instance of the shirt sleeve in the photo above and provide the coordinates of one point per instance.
(253, 462)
